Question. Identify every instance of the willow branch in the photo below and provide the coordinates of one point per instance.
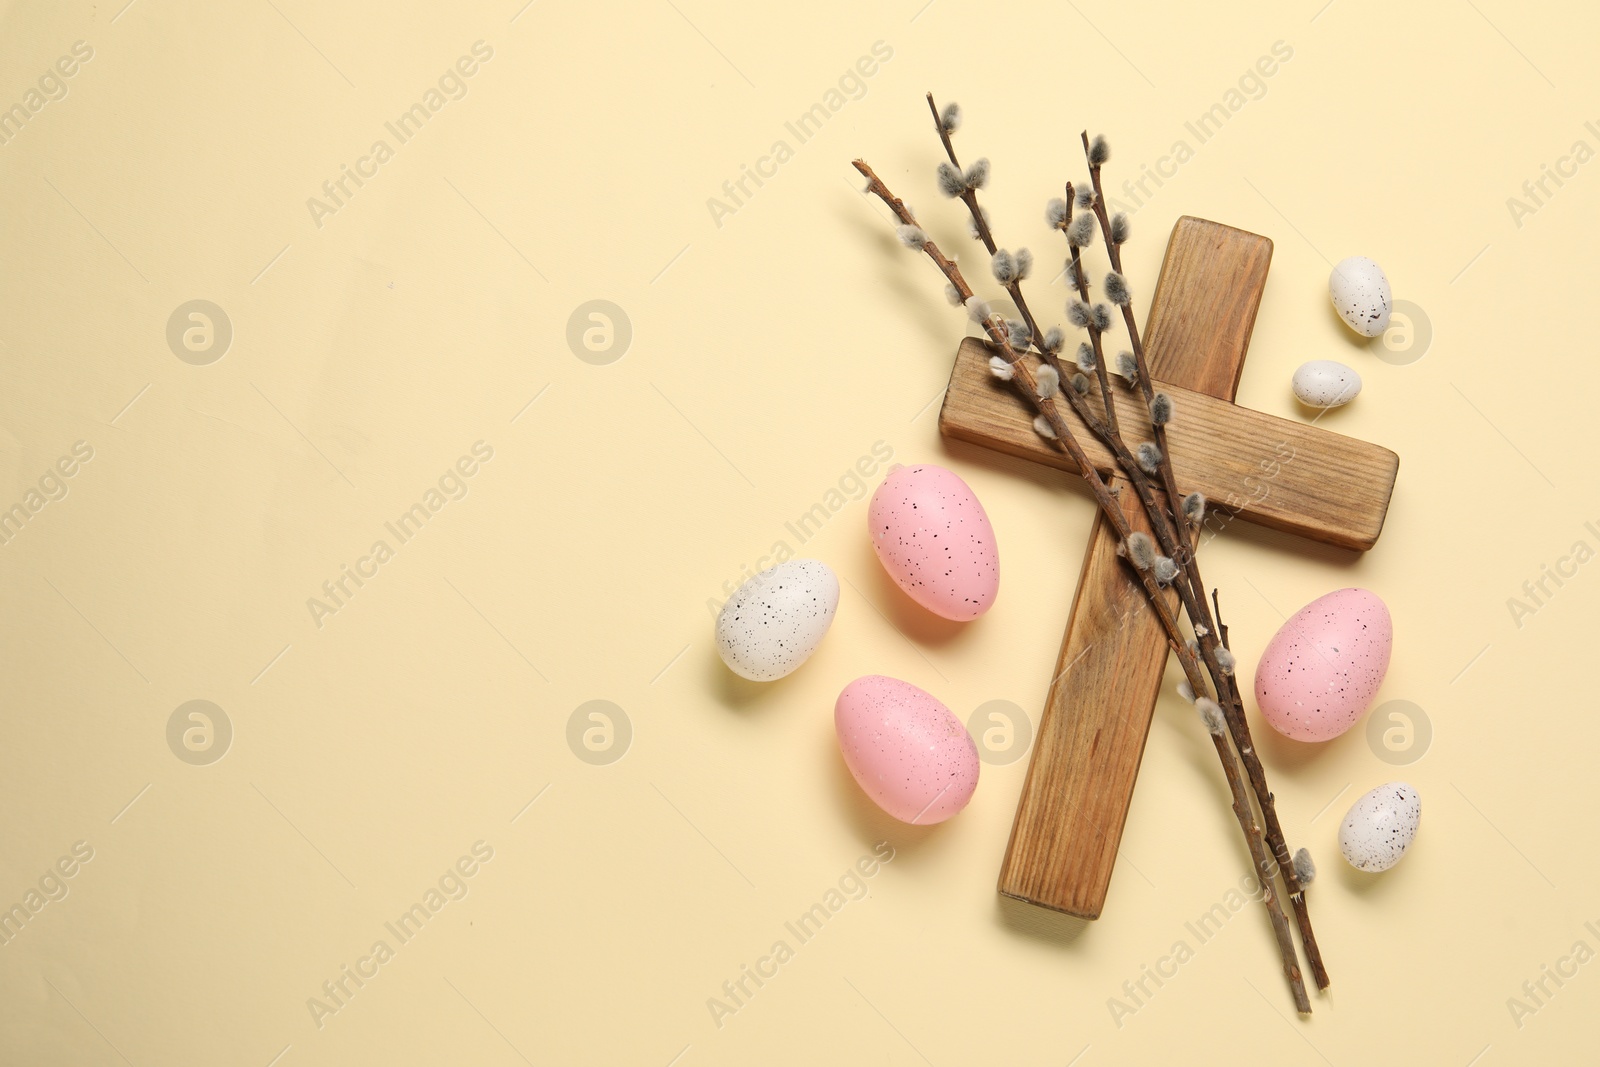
(1026, 382)
(980, 226)
(1205, 624)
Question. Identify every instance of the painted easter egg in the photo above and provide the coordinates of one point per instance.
(934, 539)
(905, 749)
(776, 620)
(1360, 293)
(1322, 668)
(1380, 827)
(1325, 383)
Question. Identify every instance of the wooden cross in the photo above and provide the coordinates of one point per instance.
(1287, 475)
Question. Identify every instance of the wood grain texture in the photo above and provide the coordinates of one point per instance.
(1075, 799)
(1287, 475)
(1085, 760)
(1201, 344)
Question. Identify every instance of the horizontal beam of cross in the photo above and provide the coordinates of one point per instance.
(1277, 473)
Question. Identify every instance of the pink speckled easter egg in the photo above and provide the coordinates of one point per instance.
(934, 539)
(1321, 670)
(905, 749)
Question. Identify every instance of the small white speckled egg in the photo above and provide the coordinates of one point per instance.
(1380, 827)
(777, 619)
(1360, 293)
(1325, 383)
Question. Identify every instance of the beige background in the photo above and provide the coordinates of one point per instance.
(768, 354)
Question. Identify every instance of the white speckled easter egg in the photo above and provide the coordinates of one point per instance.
(777, 619)
(1320, 671)
(1360, 294)
(1325, 383)
(905, 749)
(1380, 827)
(934, 539)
